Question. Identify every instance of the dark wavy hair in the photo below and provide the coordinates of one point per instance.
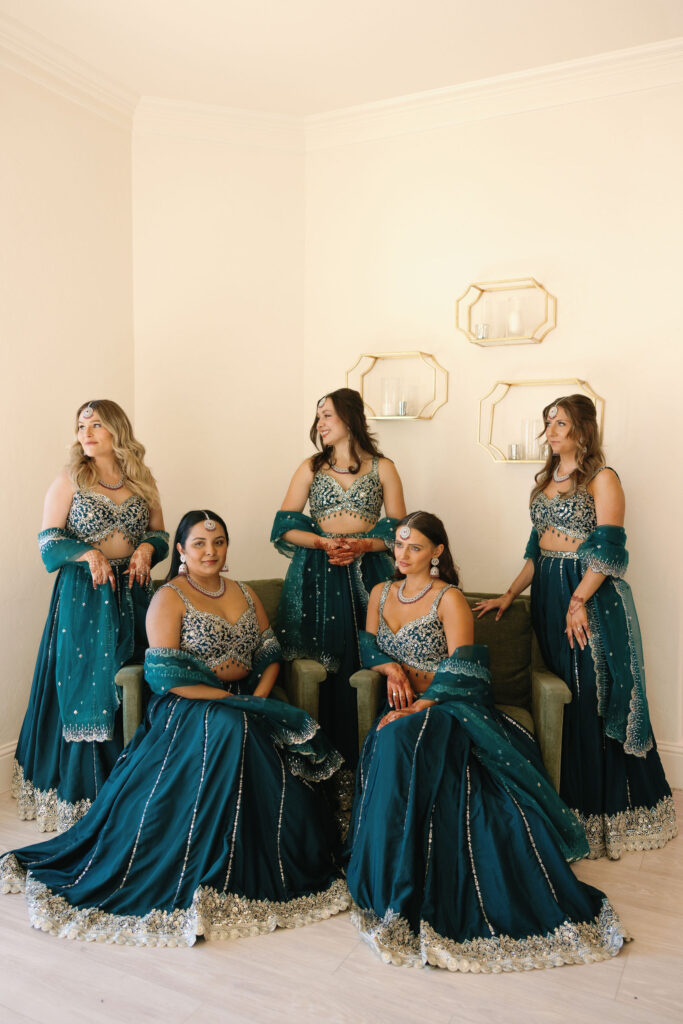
(189, 520)
(349, 407)
(434, 530)
(585, 431)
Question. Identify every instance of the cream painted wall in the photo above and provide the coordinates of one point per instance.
(218, 235)
(65, 328)
(585, 196)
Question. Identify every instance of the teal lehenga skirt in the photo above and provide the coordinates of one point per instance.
(54, 781)
(449, 868)
(623, 801)
(205, 827)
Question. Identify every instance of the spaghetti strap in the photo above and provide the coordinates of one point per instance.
(186, 601)
(437, 599)
(245, 590)
(385, 591)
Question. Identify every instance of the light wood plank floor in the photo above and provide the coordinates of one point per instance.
(323, 972)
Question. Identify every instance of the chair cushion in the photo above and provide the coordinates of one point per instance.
(268, 592)
(509, 644)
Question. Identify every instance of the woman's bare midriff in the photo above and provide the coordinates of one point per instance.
(419, 680)
(552, 542)
(345, 524)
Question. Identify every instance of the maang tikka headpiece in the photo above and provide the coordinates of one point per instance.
(88, 412)
(404, 531)
(552, 412)
(209, 524)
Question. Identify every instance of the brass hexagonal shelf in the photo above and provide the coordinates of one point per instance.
(409, 394)
(519, 427)
(515, 312)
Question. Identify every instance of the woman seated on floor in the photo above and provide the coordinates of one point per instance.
(211, 822)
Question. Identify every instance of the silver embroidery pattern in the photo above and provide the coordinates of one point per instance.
(43, 806)
(363, 499)
(636, 828)
(570, 943)
(572, 515)
(420, 643)
(213, 914)
(95, 517)
(214, 639)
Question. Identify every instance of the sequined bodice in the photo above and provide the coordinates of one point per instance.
(95, 517)
(420, 643)
(571, 515)
(214, 639)
(327, 498)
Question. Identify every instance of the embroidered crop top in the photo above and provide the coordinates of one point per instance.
(327, 498)
(420, 643)
(214, 639)
(95, 517)
(572, 515)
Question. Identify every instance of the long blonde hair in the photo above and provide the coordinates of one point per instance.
(584, 430)
(129, 454)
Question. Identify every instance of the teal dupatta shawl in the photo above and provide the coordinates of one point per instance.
(307, 751)
(317, 598)
(462, 687)
(615, 641)
(94, 633)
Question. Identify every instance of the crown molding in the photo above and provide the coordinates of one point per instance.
(29, 54)
(622, 71)
(224, 125)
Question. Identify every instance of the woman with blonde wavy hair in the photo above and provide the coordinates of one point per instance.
(587, 628)
(103, 530)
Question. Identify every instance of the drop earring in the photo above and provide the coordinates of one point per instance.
(226, 566)
(183, 568)
(434, 571)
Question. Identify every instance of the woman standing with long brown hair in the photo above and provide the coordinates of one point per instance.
(338, 553)
(586, 624)
(103, 530)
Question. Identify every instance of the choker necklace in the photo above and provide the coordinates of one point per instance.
(338, 469)
(412, 600)
(560, 479)
(113, 487)
(203, 590)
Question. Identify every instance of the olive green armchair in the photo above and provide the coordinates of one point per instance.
(523, 688)
(298, 683)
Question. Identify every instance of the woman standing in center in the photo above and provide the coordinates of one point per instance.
(338, 553)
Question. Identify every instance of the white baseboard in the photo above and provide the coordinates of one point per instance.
(6, 758)
(672, 759)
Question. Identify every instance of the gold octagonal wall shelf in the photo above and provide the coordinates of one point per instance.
(412, 387)
(515, 312)
(510, 415)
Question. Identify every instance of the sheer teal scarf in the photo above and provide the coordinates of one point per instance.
(615, 642)
(322, 606)
(462, 687)
(309, 754)
(93, 634)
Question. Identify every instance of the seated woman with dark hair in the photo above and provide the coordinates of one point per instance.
(458, 842)
(211, 823)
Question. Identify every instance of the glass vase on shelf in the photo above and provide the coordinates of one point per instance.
(390, 396)
(532, 431)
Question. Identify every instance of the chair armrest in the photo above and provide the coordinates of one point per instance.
(549, 694)
(130, 679)
(369, 687)
(303, 677)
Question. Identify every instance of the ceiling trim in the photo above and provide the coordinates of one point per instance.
(224, 125)
(622, 71)
(31, 55)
